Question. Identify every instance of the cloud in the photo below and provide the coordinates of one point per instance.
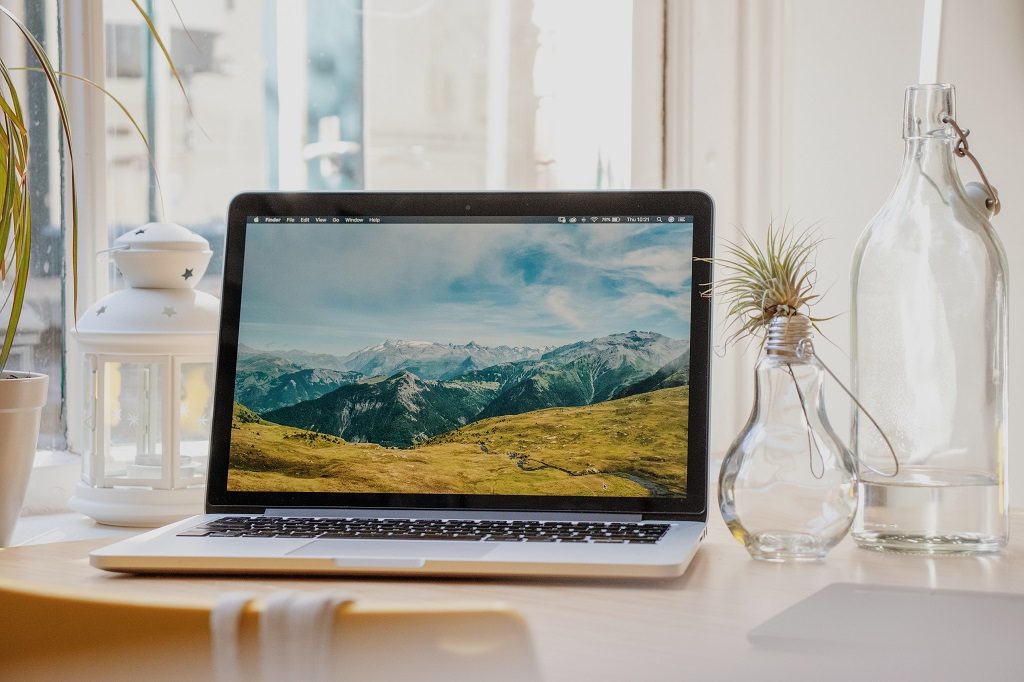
(518, 284)
(661, 267)
(647, 304)
(361, 266)
(559, 302)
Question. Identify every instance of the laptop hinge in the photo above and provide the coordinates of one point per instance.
(457, 514)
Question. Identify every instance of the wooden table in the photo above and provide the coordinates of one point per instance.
(685, 628)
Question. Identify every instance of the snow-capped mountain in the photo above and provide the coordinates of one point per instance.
(585, 372)
(264, 381)
(406, 407)
(398, 411)
(270, 379)
(432, 360)
(629, 347)
(675, 373)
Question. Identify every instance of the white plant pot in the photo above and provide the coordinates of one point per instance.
(22, 396)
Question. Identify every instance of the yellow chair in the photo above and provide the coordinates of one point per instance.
(64, 634)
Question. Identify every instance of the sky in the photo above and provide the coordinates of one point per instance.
(331, 288)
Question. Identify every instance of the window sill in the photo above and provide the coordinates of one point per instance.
(65, 527)
(45, 516)
(52, 482)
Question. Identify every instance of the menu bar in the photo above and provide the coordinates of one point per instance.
(566, 219)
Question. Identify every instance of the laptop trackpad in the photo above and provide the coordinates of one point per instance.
(394, 549)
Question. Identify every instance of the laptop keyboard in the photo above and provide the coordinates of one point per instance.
(329, 528)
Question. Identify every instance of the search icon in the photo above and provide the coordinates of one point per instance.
(659, 219)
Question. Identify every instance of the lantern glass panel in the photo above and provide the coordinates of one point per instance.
(195, 410)
(133, 419)
(91, 395)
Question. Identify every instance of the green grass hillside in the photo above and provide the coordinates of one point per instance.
(630, 447)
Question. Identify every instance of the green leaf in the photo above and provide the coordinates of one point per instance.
(15, 209)
(166, 53)
(18, 237)
(761, 281)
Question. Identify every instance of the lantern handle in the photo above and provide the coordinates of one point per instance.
(119, 247)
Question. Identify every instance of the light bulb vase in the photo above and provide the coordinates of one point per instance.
(787, 487)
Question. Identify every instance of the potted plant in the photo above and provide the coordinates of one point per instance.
(23, 394)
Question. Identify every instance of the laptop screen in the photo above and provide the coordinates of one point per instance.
(533, 356)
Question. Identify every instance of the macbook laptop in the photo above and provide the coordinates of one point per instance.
(458, 384)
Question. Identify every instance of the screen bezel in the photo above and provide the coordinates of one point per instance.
(470, 204)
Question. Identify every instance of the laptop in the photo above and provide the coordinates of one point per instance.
(492, 383)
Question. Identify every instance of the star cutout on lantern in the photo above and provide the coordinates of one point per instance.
(133, 419)
(188, 273)
(169, 311)
(204, 420)
(140, 232)
(102, 309)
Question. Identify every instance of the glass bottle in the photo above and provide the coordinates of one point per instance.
(787, 488)
(929, 352)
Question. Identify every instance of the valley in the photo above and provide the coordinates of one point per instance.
(633, 446)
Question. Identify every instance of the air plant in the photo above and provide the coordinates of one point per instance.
(764, 283)
(15, 208)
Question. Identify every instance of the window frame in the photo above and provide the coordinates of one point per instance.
(82, 53)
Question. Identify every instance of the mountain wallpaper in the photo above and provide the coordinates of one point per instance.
(539, 402)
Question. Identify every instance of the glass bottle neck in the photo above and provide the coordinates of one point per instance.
(928, 166)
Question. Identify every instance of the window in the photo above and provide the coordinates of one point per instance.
(746, 100)
(377, 94)
(38, 344)
(317, 94)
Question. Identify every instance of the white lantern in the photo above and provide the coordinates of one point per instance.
(148, 354)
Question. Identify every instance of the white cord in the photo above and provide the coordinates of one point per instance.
(931, 41)
(297, 634)
(224, 635)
